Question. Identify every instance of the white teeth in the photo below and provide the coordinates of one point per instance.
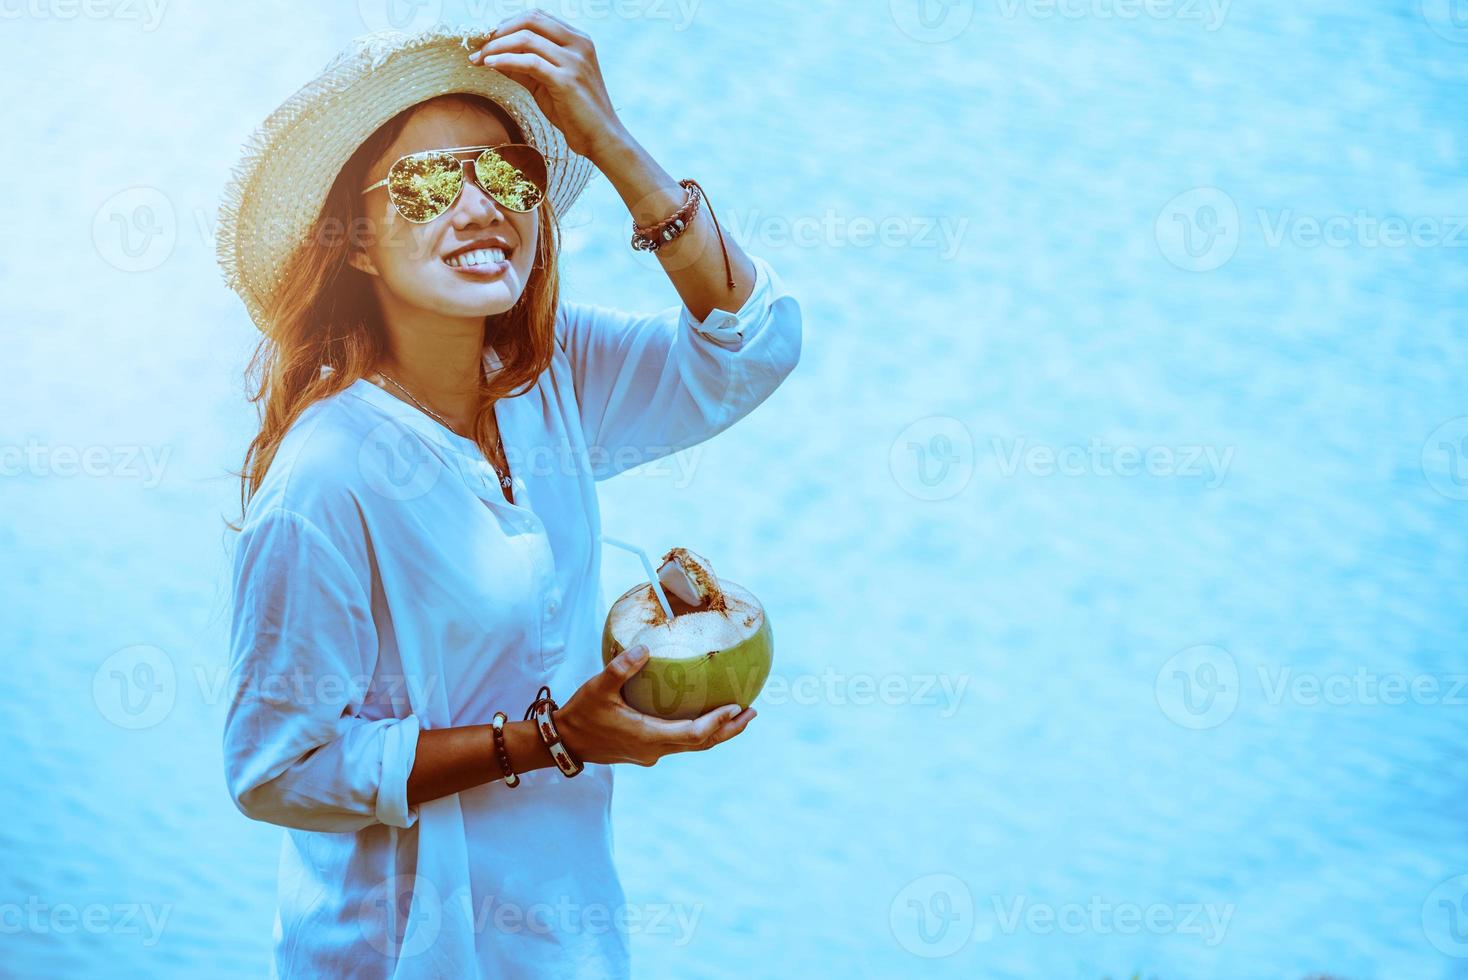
(480, 256)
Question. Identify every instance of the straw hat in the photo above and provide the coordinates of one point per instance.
(277, 188)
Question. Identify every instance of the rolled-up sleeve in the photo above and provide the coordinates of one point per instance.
(648, 385)
(303, 647)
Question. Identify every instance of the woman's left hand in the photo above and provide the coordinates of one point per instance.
(557, 63)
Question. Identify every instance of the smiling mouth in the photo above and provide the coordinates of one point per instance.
(478, 260)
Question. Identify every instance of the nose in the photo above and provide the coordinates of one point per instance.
(475, 204)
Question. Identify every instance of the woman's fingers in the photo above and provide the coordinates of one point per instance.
(705, 731)
(524, 42)
(540, 22)
(532, 65)
(618, 671)
(732, 727)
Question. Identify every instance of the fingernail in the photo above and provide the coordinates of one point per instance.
(475, 56)
(638, 653)
(732, 713)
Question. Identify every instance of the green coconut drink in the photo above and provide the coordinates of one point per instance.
(714, 649)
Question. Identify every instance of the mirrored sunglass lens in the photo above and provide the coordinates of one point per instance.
(424, 187)
(513, 175)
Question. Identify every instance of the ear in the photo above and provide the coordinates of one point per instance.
(358, 259)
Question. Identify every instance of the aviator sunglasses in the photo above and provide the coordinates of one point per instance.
(424, 185)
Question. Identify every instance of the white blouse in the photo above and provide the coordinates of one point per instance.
(383, 585)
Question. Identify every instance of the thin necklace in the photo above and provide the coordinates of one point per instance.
(504, 477)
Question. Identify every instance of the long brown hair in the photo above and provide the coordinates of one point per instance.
(325, 312)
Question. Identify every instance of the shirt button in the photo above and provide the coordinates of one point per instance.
(551, 607)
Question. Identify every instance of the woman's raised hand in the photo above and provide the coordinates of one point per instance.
(598, 725)
(557, 63)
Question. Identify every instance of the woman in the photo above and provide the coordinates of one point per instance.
(420, 545)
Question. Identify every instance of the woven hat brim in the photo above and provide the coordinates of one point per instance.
(287, 166)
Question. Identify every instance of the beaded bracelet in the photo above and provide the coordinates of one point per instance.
(652, 237)
(498, 724)
(540, 709)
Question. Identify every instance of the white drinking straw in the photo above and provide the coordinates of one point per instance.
(652, 574)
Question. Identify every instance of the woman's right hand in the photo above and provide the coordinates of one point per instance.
(598, 725)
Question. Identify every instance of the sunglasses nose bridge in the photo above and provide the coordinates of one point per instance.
(471, 179)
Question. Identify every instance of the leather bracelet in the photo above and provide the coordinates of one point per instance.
(498, 724)
(650, 238)
(540, 709)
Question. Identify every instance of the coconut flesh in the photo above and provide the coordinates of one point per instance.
(716, 650)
